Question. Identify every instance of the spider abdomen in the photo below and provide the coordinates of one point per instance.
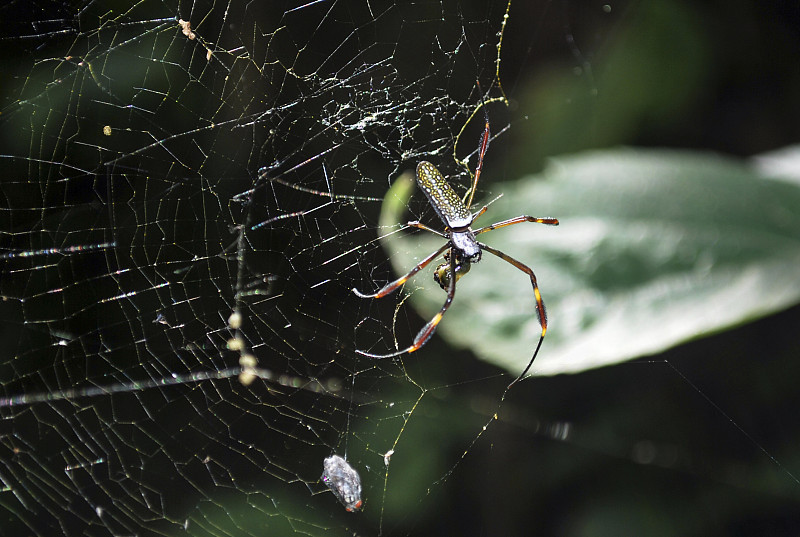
(442, 197)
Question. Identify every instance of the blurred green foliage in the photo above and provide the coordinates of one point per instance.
(654, 248)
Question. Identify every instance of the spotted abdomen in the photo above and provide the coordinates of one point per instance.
(442, 197)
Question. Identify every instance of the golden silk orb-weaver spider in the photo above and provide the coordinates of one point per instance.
(461, 250)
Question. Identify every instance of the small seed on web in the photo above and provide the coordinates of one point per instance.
(235, 320)
(248, 361)
(248, 374)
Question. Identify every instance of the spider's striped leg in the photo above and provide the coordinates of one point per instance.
(389, 287)
(540, 311)
(476, 215)
(420, 225)
(518, 220)
(485, 139)
(427, 331)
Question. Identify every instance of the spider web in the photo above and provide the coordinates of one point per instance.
(169, 166)
(191, 190)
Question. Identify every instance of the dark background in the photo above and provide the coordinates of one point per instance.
(700, 440)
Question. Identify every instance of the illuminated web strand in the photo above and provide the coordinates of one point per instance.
(59, 251)
(188, 378)
(305, 5)
(276, 218)
(733, 422)
(319, 192)
(331, 195)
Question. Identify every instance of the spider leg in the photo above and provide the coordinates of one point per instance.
(420, 225)
(518, 220)
(389, 287)
(540, 311)
(485, 139)
(430, 327)
(476, 215)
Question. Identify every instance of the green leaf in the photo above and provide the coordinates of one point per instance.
(654, 248)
